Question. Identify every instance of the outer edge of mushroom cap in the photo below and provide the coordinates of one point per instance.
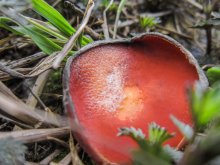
(67, 100)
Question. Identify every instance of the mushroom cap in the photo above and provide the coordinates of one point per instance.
(123, 83)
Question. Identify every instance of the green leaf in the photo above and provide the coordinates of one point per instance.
(213, 74)
(56, 19)
(45, 27)
(4, 24)
(148, 22)
(153, 152)
(205, 105)
(136, 134)
(53, 16)
(44, 43)
(158, 135)
(185, 129)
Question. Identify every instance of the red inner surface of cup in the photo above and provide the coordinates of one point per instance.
(129, 84)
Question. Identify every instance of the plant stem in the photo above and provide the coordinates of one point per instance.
(209, 40)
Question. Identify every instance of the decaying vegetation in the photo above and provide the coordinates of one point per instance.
(36, 38)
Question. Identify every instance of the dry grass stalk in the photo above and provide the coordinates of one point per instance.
(35, 135)
(25, 114)
(58, 141)
(74, 155)
(37, 88)
(66, 160)
(49, 158)
(69, 45)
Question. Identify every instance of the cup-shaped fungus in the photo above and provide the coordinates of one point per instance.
(123, 83)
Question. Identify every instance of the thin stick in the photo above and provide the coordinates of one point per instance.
(121, 5)
(66, 160)
(11, 72)
(69, 45)
(105, 24)
(35, 135)
(74, 155)
(23, 113)
(22, 125)
(26, 60)
(5, 90)
(58, 141)
(33, 98)
(195, 4)
(49, 158)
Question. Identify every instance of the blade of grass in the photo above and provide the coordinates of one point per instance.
(44, 43)
(3, 24)
(53, 16)
(121, 5)
(41, 25)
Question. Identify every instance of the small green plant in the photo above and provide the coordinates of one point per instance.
(213, 74)
(48, 36)
(151, 150)
(105, 3)
(148, 22)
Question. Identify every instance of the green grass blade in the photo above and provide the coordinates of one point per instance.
(42, 27)
(4, 24)
(44, 43)
(53, 16)
(56, 19)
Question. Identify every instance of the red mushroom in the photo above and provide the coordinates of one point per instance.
(124, 83)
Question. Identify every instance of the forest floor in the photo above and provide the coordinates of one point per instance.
(47, 136)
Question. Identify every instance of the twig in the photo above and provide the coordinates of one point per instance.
(92, 33)
(22, 112)
(35, 135)
(37, 90)
(5, 76)
(58, 141)
(66, 160)
(157, 14)
(175, 32)
(88, 30)
(49, 158)
(11, 72)
(195, 4)
(207, 66)
(56, 3)
(74, 7)
(22, 125)
(69, 45)
(105, 24)
(208, 40)
(5, 90)
(25, 61)
(30, 163)
(74, 155)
